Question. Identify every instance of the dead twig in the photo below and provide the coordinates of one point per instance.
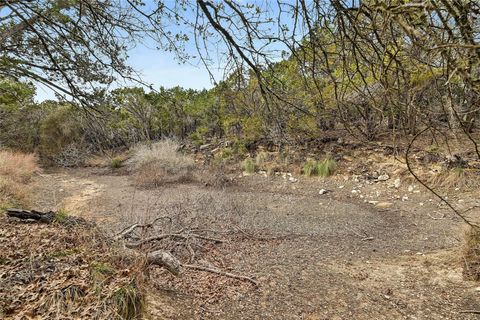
(470, 311)
(223, 273)
(436, 218)
(128, 230)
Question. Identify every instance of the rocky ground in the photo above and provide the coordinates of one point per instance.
(346, 247)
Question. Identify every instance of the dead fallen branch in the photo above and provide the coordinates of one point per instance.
(128, 230)
(184, 236)
(223, 273)
(166, 260)
(43, 217)
(470, 311)
(46, 217)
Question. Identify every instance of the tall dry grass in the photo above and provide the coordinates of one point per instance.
(16, 171)
(160, 163)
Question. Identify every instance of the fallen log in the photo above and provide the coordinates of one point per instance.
(44, 217)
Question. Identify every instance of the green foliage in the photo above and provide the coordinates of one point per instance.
(239, 149)
(63, 253)
(324, 168)
(129, 301)
(260, 159)
(100, 270)
(248, 166)
(433, 149)
(61, 216)
(223, 156)
(58, 130)
(116, 163)
(309, 168)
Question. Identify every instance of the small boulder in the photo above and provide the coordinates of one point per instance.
(383, 177)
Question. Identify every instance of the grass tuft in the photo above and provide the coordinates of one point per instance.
(324, 168)
(129, 301)
(61, 216)
(116, 163)
(248, 166)
(260, 159)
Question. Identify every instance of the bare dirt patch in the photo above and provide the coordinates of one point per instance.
(330, 256)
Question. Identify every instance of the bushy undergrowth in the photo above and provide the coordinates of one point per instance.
(161, 163)
(16, 171)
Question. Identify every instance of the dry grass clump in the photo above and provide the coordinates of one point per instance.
(463, 178)
(18, 166)
(471, 270)
(161, 163)
(16, 171)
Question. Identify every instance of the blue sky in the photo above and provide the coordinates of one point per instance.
(159, 68)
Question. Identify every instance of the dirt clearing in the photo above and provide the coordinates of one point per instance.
(329, 256)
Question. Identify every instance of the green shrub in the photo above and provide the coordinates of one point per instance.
(239, 149)
(248, 166)
(223, 156)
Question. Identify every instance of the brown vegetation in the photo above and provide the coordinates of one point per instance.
(52, 271)
(16, 171)
(160, 163)
(471, 254)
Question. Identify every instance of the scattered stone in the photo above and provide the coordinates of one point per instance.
(404, 198)
(292, 179)
(397, 183)
(384, 205)
(373, 202)
(322, 191)
(383, 177)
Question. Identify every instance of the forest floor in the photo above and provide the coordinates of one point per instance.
(358, 251)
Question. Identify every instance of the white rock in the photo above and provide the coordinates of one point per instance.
(322, 191)
(383, 177)
(404, 198)
(292, 179)
(410, 188)
(397, 183)
(421, 203)
(384, 204)
(341, 187)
